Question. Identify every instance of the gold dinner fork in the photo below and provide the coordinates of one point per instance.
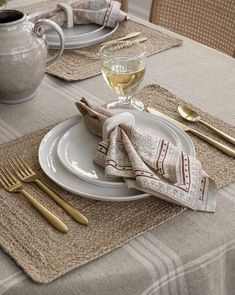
(96, 53)
(26, 174)
(96, 48)
(13, 185)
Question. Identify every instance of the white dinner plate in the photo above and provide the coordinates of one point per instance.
(52, 166)
(78, 36)
(78, 146)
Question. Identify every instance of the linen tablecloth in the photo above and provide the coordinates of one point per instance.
(192, 254)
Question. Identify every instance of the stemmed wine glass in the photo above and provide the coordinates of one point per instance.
(123, 67)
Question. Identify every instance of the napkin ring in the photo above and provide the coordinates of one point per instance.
(68, 12)
(112, 122)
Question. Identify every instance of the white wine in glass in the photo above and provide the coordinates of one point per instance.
(3, 4)
(123, 68)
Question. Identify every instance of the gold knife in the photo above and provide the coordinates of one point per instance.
(225, 149)
(95, 49)
(126, 37)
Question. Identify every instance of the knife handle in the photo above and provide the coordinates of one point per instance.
(225, 149)
(78, 216)
(50, 217)
(221, 133)
(128, 36)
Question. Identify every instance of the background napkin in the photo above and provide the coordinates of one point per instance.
(149, 163)
(102, 12)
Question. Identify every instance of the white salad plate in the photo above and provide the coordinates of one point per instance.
(78, 36)
(78, 146)
(53, 168)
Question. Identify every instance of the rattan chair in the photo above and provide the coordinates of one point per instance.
(124, 6)
(211, 22)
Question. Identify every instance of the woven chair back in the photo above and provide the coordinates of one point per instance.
(211, 22)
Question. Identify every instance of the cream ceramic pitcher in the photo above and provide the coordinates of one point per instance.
(23, 55)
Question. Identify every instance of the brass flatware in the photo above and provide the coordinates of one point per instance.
(225, 149)
(13, 185)
(96, 48)
(126, 37)
(96, 54)
(26, 174)
(192, 116)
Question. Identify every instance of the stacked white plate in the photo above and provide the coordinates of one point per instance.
(78, 36)
(66, 155)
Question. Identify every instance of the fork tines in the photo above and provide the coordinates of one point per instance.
(20, 167)
(7, 179)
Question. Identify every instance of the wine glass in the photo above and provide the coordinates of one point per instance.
(123, 67)
(3, 4)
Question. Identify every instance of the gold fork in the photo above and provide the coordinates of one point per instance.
(96, 54)
(95, 48)
(26, 174)
(13, 185)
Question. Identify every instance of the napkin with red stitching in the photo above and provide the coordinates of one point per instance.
(148, 163)
(102, 12)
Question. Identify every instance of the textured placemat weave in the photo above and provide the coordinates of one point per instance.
(43, 252)
(218, 165)
(73, 67)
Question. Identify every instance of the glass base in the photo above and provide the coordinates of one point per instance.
(134, 104)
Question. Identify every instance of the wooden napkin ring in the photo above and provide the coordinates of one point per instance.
(68, 12)
(112, 122)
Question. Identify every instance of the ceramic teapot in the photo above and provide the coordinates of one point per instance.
(23, 55)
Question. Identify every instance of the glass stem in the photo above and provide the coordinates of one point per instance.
(125, 99)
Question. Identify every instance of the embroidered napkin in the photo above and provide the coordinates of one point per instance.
(148, 163)
(102, 12)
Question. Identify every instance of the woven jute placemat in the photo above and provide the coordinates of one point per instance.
(218, 165)
(43, 252)
(73, 67)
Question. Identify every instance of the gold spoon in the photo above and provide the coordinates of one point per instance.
(192, 116)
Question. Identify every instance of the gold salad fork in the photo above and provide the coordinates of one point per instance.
(13, 185)
(26, 174)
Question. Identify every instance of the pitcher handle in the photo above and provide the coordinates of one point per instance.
(39, 31)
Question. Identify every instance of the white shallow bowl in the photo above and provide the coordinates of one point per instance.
(77, 148)
(52, 166)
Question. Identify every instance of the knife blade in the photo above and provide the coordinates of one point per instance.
(222, 147)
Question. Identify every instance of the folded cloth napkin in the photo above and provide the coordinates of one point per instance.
(148, 163)
(102, 12)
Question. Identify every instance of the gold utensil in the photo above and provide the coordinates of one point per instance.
(96, 48)
(192, 116)
(12, 185)
(227, 150)
(126, 37)
(96, 54)
(26, 174)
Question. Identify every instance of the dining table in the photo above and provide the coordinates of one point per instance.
(191, 254)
